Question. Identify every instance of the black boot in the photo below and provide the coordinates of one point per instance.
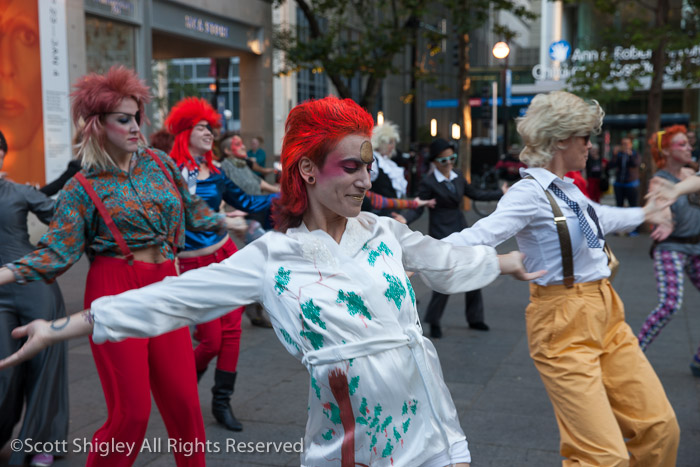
(221, 398)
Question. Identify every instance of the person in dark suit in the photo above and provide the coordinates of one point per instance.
(448, 188)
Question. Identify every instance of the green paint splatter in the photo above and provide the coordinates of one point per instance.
(411, 292)
(327, 435)
(386, 423)
(334, 415)
(396, 291)
(282, 280)
(315, 338)
(313, 313)
(365, 247)
(414, 406)
(289, 339)
(377, 410)
(354, 303)
(373, 255)
(363, 407)
(388, 449)
(405, 425)
(374, 441)
(382, 248)
(397, 435)
(361, 421)
(353, 384)
(316, 387)
(404, 409)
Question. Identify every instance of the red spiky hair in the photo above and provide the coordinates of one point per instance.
(180, 121)
(95, 95)
(657, 142)
(313, 129)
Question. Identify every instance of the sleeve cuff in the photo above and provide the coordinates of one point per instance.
(19, 278)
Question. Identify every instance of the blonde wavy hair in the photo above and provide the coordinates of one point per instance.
(383, 134)
(552, 118)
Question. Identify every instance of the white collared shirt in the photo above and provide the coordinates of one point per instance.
(525, 212)
(441, 178)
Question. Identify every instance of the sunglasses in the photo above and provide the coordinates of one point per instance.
(446, 160)
(125, 117)
(586, 139)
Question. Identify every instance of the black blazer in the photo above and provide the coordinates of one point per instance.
(447, 216)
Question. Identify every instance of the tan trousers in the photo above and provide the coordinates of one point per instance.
(603, 389)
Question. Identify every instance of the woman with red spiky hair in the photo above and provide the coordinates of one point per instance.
(192, 121)
(333, 280)
(128, 208)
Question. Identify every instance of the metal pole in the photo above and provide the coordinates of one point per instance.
(494, 113)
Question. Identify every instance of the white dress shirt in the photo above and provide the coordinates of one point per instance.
(393, 171)
(525, 212)
(441, 178)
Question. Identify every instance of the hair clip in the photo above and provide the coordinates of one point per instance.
(659, 134)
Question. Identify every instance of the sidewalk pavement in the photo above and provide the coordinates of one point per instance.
(502, 404)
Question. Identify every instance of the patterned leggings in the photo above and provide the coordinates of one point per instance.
(669, 267)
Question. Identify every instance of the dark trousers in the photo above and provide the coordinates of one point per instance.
(629, 193)
(41, 383)
(473, 307)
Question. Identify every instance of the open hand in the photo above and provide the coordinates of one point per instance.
(236, 213)
(661, 232)
(425, 202)
(37, 333)
(661, 191)
(512, 263)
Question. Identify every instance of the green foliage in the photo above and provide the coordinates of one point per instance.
(642, 25)
(361, 38)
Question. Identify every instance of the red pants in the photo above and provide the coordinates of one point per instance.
(222, 336)
(131, 369)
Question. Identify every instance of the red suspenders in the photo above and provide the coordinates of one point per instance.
(107, 218)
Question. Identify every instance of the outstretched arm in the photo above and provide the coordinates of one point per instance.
(666, 193)
(195, 297)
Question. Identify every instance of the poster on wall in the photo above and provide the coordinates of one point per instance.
(34, 89)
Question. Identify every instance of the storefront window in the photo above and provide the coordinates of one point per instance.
(109, 43)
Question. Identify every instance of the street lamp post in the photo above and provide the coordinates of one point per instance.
(501, 52)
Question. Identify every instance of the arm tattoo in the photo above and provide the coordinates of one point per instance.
(58, 327)
(87, 316)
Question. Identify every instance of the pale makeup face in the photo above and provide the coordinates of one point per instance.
(575, 152)
(342, 183)
(122, 129)
(388, 148)
(679, 149)
(201, 139)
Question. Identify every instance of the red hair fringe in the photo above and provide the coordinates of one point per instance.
(666, 137)
(313, 129)
(180, 121)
